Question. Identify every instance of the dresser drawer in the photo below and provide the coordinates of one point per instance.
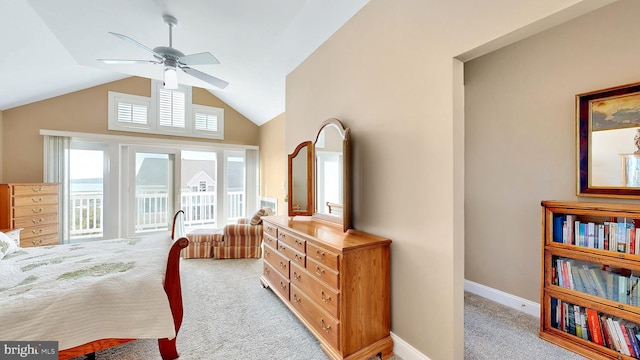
(323, 256)
(38, 199)
(276, 260)
(288, 252)
(34, 189)
(49, 239)
(277, 281)
(32, 210)
(270, 230)
(327, 298)
(270, 240)
(291, 240)
(39, 231)
(35, 220)
(321, 272)
(324, 324)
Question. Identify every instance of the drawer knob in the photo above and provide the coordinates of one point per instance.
(296, 276)
(36, 200)
(266, 270)
(267, 253)
(326, 300)
(319, 254)
(283, 285)
(36, 211)
(281, 248)
(326, 328)
(298, 243)
(319, 271)
(36, 242)
(283, 265)
(37, 188)
(37, 221)
(296, 298)
(298, 258)
(36, 232)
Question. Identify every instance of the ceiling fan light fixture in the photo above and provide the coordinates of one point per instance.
(170, 78)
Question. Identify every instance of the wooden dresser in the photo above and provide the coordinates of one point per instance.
(33, 207)
(337, 283)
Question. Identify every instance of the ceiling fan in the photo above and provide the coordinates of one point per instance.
(172, 59)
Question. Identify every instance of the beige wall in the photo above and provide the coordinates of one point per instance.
(86, 111)
(390, 75)
(273, 161)
(520, 136)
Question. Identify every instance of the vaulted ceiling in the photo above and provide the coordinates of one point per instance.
(51, 47)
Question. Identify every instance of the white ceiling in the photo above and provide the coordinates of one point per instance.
(51, 47)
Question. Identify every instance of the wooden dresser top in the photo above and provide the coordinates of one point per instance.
(326, 233)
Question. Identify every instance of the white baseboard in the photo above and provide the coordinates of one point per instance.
(501, 297)
(405, 351)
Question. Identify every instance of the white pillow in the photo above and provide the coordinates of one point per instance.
(7, 245)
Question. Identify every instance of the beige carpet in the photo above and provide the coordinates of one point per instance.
(229, 315)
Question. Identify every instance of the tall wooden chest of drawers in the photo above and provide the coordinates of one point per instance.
(337, 283)
(33, 207)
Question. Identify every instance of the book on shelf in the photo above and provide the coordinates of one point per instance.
(624, 338)
(632, 331)
(595, 328)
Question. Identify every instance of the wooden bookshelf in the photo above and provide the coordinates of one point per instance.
(590, 279)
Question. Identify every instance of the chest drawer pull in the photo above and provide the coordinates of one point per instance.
(325, 328)
(296, 276)
(267, 270)
(267, 253)
(297, 257)
(281, 248)
(319, 254)
(36, 211)
(296, 298)
(326, 300)
(283, 285)
(319, 271)
(36, 242)
(36, 232)
(37, 221)
(37, 188)
(36, 200)
(298, 243)
(283, 265)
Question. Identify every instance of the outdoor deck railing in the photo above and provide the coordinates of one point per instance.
(86, 215)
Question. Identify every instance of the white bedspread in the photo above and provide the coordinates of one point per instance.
(78, 293)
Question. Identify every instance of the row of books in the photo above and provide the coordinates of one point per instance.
(611, 283)
(615, 333)
(618, 236)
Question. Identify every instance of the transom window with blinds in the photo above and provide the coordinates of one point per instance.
(168, 112)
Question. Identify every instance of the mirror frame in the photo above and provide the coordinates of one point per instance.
(583, 120)
(309, 171)
(345, 219)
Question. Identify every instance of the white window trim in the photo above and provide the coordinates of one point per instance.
(114, 99)
(207, 110)
(152, 104)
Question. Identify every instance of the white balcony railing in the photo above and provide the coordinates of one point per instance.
(151, 211)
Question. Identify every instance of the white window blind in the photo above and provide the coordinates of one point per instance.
(206, 122)
(171, 112)
(132, 113)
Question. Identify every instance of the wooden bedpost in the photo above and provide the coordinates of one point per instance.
(172, 285)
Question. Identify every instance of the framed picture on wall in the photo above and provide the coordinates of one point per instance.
(608, 139)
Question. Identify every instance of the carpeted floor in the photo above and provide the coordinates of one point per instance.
(229, 315)
(493, 331)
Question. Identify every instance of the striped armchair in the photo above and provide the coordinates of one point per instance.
(241, 240)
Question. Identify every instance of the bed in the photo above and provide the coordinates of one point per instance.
(95, 295)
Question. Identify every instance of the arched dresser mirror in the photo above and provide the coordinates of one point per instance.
(332, 173)
(300, 184)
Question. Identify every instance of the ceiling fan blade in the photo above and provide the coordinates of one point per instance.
(202, 58)
(205, 77)
(118, 61)
(131, 41)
